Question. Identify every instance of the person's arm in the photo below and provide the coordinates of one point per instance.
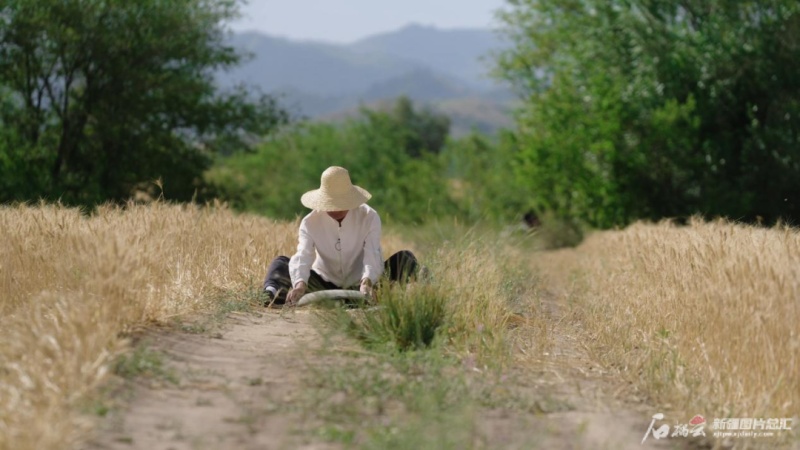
(373, 257)
(300, 264)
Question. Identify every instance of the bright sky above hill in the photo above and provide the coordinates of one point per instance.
(345, 21)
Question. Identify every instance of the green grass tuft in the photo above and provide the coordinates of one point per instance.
(143, 361)
(404, 319)
(220, 306)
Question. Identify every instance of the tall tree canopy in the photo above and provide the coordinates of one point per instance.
(98, 96)
(654, 108)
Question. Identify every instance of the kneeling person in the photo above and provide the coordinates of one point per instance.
(338, 245)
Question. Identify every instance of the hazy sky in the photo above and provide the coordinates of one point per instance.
(349, 20)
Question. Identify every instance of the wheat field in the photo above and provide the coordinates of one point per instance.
(73, 286)
(701, 318)
(76, 286)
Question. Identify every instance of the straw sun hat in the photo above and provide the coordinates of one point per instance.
(336, 192)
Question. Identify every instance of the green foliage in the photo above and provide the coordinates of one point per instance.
(404, 319)
(483, 183)
(385, 152)
(383, 400)
(645, 109)
(97, 97)
(433, 429)
(556, 232)
(143, 361)
(425, 131)
(225, 303)
(414, 400)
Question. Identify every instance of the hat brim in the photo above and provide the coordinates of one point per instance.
(322, 201)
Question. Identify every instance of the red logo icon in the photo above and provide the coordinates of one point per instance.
(697, 420)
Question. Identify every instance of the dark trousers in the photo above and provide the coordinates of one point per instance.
(399, 267)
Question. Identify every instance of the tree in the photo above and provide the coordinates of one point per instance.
(407, 181)
(424, 131)
(98, 96)
(482, 170)
(654, 108)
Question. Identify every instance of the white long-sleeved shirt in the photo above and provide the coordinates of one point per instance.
(343, 253)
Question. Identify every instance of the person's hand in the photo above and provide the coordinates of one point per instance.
(294, 295)
(366, 288)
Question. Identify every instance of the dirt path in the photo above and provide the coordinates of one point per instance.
(237, 389)
(602, 413)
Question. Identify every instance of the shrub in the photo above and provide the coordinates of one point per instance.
(407, 319)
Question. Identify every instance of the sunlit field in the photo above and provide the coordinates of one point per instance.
(702, 318)
(75, 287)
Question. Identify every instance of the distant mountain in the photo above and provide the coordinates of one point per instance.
(420, 84)
(462, 53)
(427, 64)
(276, 64)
